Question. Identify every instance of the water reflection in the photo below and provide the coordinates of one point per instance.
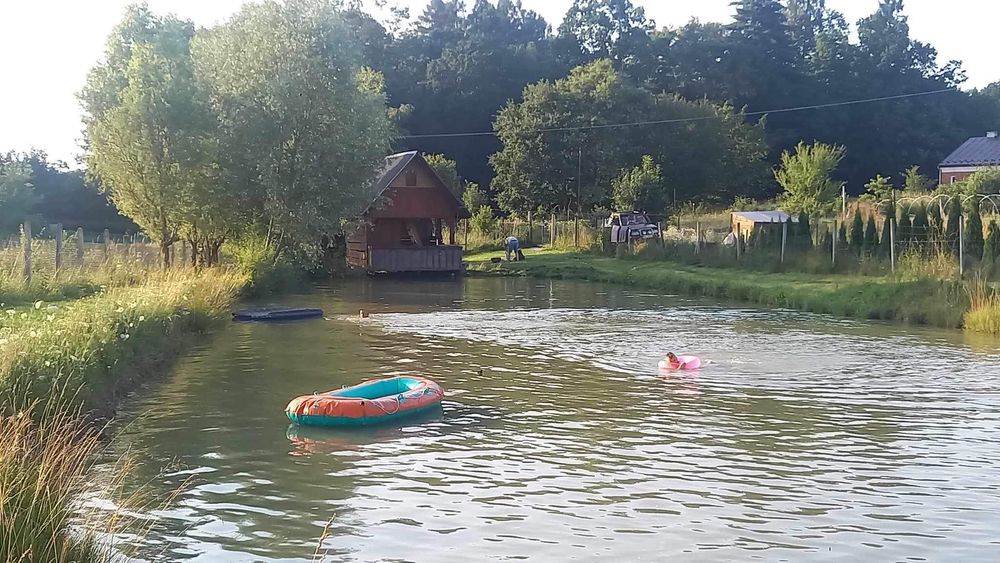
(558, 439)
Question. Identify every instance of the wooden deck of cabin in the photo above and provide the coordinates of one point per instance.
(442, 258)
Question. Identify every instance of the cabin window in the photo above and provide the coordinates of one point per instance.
(952, 179)
(411, 178)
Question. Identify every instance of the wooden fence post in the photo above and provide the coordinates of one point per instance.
(697, 237)
(552, 231)
(961, 246)
(466, 234)
(107, 245)
(576, 231)
(784, 237)
(58, 231)
(833, 246)
(184, 251)
(26, 242)
(79, 245)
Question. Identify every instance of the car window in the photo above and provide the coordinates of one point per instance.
(616, 222)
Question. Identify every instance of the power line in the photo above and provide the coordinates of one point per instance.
(685, 119)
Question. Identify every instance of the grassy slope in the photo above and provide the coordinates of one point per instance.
(919, 301)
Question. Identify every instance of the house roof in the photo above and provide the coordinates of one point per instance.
(764, 216)
(977, 151)
(393, 166)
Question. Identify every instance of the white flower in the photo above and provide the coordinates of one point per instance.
(124, 336)
(142, 318)
(38, 304)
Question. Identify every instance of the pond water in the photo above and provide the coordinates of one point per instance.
(805, 438)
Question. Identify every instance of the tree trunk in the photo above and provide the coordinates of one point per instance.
(194, 253)
(165, 253)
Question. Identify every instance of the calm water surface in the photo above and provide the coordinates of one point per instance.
(806, 438)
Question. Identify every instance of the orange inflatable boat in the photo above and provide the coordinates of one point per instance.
(371, 402)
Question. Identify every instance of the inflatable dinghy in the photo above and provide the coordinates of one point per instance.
(276, 314)
(371, 402)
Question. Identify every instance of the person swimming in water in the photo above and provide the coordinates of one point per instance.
(673, 361)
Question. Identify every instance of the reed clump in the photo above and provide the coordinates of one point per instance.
(984, 307)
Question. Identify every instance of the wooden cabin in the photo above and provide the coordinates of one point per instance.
(402, 228)
(746, 222)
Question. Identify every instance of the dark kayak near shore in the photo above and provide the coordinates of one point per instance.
(276, 314)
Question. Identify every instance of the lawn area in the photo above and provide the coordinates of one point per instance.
(923, 301)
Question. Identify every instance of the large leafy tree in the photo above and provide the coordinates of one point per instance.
(605, 29)
(563, 144)
(146, 124)
(640, 187)
(302, 125)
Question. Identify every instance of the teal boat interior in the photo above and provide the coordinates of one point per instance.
(381, 388)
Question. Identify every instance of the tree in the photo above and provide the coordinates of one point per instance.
(914, 181)
(17, 195)
(857, 232)
(984, 181)
(473, 197)
(806, 177)
(871, 234)
(904, 232)
(446, 170)
(954, 212)
(881, 190)
(146, 124)
(640, 187)
(719, 152)
(842, 236)
(804, 231)
(935, 221)
(991, 249)
(302, 125)
(919, 228)
(605, 29)
(885, 243)
(973, 243)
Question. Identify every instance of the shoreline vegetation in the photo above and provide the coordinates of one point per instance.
(971, 305)
(64, 366)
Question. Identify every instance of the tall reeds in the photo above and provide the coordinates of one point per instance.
(984, 306)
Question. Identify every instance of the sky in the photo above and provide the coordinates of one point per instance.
(49, 45)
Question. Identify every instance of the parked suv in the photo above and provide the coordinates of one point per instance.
(629, 226)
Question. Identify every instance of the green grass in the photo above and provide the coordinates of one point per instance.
(60, 365)
(918, 301)
(984, 310)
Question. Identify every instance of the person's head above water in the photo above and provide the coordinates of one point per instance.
(671, 356)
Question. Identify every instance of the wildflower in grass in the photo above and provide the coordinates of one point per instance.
(142, 318)
(38, 304)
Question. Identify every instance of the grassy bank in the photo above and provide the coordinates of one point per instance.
(918, 301)
(65, 364)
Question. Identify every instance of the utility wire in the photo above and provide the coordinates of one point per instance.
(685, 119)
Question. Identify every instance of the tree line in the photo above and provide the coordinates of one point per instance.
(273, 123)
(462, 68)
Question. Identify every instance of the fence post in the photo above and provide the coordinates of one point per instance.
(530, 225)
(466, 221)
(79, 245)
(576, 231)
(697, 237)
(833, 247)
(961, 246)
(26, 242)
(107, 244)
(892, 244)
(184, 251)
(739, 240)
(58, 231)
(784, 236)
(552, 231)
